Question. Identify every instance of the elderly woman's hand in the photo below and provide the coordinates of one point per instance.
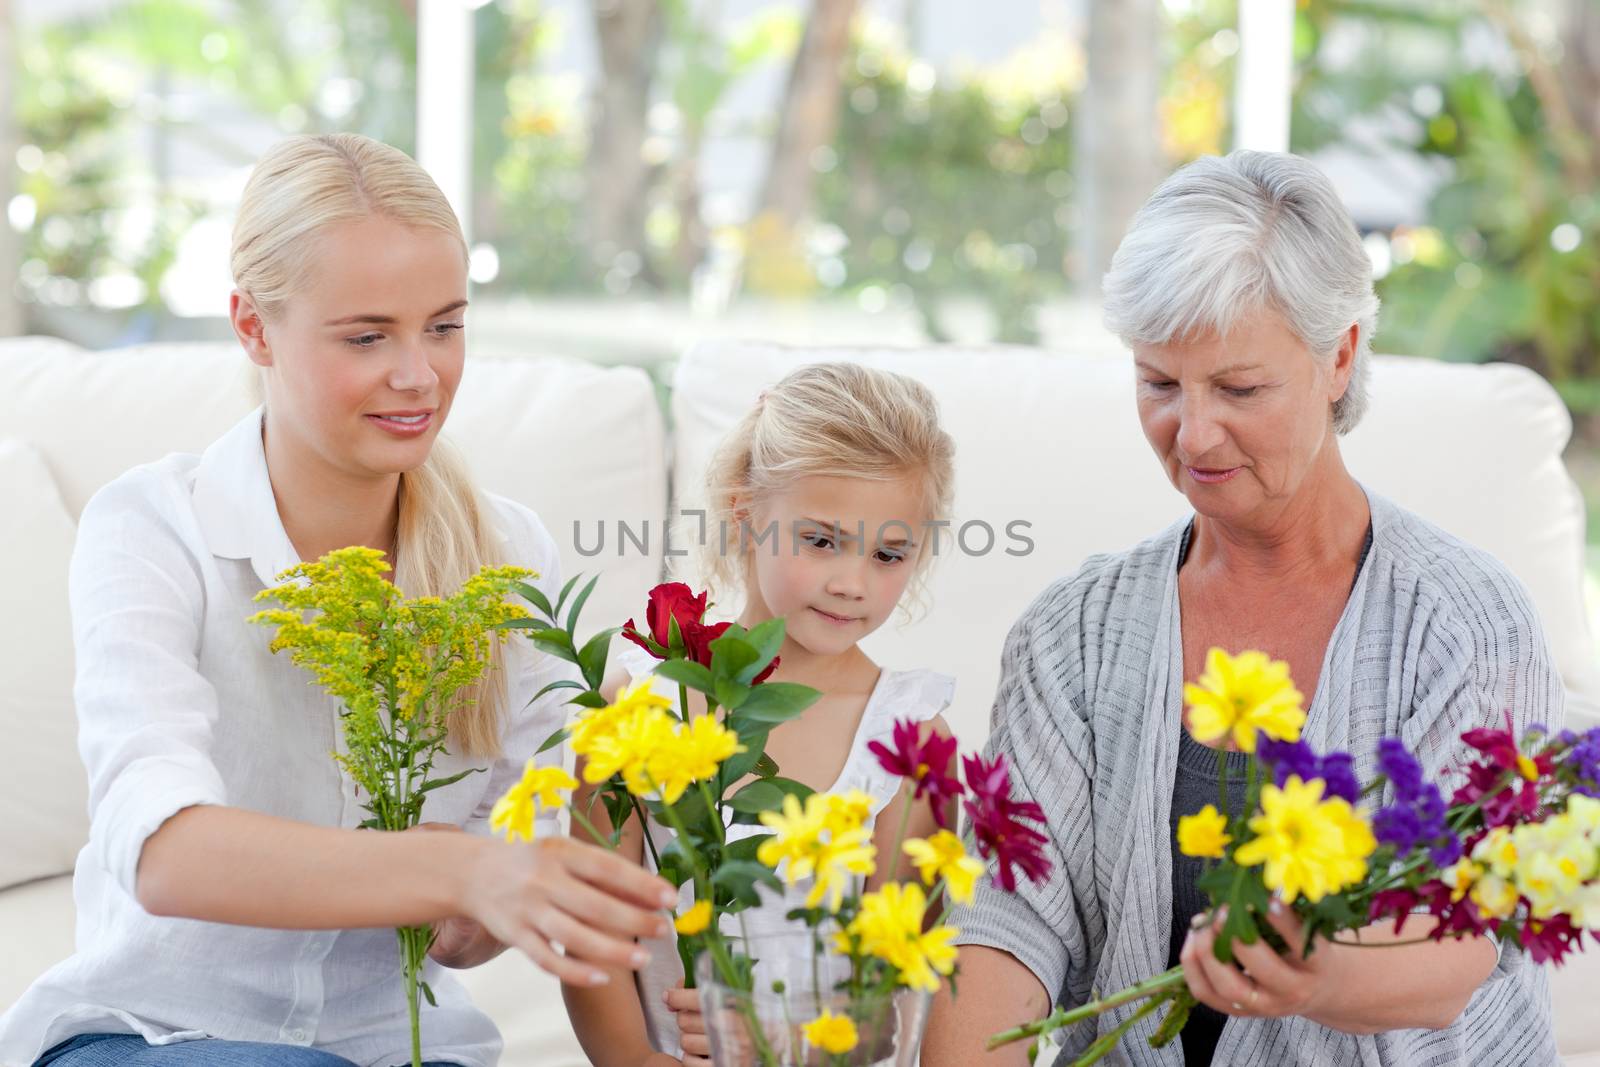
(1269, 985)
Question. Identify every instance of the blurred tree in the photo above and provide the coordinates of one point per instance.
(810, 113)
(1119, 133)
(628, 34)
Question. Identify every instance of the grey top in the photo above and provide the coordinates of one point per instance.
(1436, 638)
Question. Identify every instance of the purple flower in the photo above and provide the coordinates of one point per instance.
(1416, 819)
(1338, 774)
(1400, 767)
(1291, 758)
(1584, 757)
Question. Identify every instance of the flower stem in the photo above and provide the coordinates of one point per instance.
(1063, 1017)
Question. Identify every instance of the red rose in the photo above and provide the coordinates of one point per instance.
(668, 601)
(697, 638)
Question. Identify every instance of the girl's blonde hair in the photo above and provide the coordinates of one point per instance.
(297, 190)
(838, 420)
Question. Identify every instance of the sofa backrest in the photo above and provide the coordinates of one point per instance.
(1052, 439)
(575, 442)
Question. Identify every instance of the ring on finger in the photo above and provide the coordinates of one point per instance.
(1237, 1007)
(1255, 995)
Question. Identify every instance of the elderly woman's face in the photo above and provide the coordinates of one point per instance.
(1238, 421)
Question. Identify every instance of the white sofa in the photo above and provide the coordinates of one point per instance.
(1049, 439)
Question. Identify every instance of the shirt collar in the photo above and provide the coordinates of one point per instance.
(234, 503)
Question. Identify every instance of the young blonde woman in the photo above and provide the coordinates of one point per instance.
(228, 911)
(826, 491)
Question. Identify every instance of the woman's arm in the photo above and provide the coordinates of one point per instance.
(608, 1018)
(1359, 989)
(997, 993)
(222, 864)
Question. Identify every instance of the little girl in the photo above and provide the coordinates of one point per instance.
(824, 491)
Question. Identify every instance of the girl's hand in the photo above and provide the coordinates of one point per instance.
(573, 908)
(685, 1005)
(1263, 984)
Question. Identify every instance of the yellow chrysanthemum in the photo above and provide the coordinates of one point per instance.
(943, 856)
(514, 813)
(806, 848)
(833, 1034)
(695, 920)
(702, 747)
(847, 811)
(596, 724)
(1461, 877)
(1495, 897)
(1204, 834)
(1311, 847)
(638, 738)
(889, 927)
(1244, 695)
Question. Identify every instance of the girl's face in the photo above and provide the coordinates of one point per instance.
(365, 358)
(1241, 422)
(836, 556)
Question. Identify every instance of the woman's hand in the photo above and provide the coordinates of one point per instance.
(1269, 985)
(459, 942)
(572, 908)
(685, 1005)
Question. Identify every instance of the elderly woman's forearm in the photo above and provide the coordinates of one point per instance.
(1414, 986)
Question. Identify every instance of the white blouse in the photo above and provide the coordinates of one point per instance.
(180, 703)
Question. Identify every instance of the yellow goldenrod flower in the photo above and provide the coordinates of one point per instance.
(695, 920)
(889, 927)
(943, 856)
(1311, 847)
(833, 1034)
(1244, 695)
(514, 813)
(1204, 834)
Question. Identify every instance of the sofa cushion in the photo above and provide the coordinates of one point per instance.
(43, 792)
(1052, 439)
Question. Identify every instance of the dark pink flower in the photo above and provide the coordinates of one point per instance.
(926, 763)
(994, 817)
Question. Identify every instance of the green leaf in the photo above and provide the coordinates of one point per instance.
(533, 595)
(554, 739)
(766, 766)
(746, 847)
(564, 683)
(687, 672)
(740, 764)
(556, 642)
(592, 659)
(439, 783)
(676, 866)
(577, 606)
(774, 702)
(766, 794)
(767, 639)
(730, 655)
(562, 599)
(730, 694)
(589, 699)
(738, 878)
(428, 993)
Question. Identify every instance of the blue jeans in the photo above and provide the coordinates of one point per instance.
(130, 1050)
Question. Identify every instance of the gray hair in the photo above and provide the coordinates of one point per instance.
(1227, 236)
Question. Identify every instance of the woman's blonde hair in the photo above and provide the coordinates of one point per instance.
(839, 420)
(297, 190)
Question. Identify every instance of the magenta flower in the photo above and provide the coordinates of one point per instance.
(994, 817)
(1503, 802)
(926, 763)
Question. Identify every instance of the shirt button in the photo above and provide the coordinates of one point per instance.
(297, 1036)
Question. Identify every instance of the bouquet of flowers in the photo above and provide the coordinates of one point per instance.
(1515, 852)
(705, 774)
(398, 667)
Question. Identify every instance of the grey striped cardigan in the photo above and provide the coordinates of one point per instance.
(1437, 637)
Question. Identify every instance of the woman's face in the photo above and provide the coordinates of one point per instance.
(1241, 421)
(363, 361)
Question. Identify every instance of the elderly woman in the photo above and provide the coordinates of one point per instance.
(1243, 291)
